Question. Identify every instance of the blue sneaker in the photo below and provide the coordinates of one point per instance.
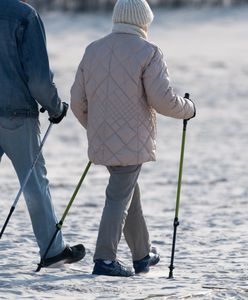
(143, 265)
(112, 269)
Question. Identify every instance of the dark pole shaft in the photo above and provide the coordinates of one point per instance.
(171, 267)
(52, 240)
(176, 219)
(40, 265)
(12, 209)
(60, 224)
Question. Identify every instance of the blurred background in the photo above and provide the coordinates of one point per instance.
(108, 4)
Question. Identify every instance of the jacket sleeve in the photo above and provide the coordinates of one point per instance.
(35, 63)
(79, 104)
(160, 94)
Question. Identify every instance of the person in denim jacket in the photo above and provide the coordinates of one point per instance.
(25, 83)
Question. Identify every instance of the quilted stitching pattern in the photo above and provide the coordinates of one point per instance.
(121, 129)
(121, 120)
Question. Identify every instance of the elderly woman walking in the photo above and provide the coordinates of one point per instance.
(121, 82)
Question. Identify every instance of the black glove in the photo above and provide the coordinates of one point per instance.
(57, 120)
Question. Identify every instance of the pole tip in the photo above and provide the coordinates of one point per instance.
(39, 267)
(171, 267)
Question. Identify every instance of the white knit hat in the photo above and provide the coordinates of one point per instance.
(135, 12)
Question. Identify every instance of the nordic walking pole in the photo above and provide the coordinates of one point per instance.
(176, 220)
(60, 224)
(26, 180)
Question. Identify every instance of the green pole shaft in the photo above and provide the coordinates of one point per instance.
(176, 221)
(180, 169)
(60, 224)
(75, 192)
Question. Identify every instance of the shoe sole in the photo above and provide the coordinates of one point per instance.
(63, 262)
(113, 275)
(66, 261)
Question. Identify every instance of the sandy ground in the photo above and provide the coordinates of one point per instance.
(206, 51)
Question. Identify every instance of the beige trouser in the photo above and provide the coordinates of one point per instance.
(122, 213)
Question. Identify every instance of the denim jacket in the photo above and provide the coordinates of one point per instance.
(25, 76)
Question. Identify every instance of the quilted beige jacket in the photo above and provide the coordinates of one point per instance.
(121, 82)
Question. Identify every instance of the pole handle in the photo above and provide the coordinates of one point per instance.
(186, 96)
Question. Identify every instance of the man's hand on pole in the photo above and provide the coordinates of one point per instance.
(57, 120)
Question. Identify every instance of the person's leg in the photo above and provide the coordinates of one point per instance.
(135, 229)
(118, 198)
(137, 237)
(1, 153)
(21, 141)
(2, 129)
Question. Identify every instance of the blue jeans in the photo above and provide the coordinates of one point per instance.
(122, 213)
(20, 141)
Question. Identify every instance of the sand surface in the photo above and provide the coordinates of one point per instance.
(206, 52)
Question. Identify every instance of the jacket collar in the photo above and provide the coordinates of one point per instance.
(128, 28)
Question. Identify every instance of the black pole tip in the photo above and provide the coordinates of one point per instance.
(39, 267)
(1, 234)
(171, 267)
(171, 275)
